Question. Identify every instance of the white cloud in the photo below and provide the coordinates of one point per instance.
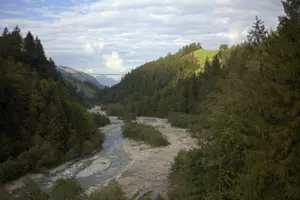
(115, 62)
(132, 32)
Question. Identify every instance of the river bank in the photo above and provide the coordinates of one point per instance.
(136, 166)
(149, 167)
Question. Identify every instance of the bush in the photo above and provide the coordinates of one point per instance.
(11, 169)
(115, 110)
(113, 191)
(32, 191)
(145, 133)
(188, 175)
(182, 120)
(100, 120)
(66, 189)
(128, 117)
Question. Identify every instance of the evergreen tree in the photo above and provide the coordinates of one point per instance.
(5, 32)
(258, 33)
(215, 66)
(207, 66)
(256, 36)
(30, 50)
(16, 43)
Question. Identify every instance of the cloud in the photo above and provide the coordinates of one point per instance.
(117, 35)
(27, 1)
(115, 62)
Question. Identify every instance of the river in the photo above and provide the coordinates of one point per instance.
(137, 167)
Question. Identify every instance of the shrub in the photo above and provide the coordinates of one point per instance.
(128, 117)
(113, 191)
(32, 191)
(100, 120)
(115, 110)
(145, 133)
(182, 120)
(66, 189)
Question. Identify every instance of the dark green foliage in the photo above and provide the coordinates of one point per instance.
(101, 120)
(31, 191)
(145, 133)
(115, 110)
(182, 120)
(41, 124)
(112, 191)
(223, 47)
(68, 189)
(253, 117)
(128, 117)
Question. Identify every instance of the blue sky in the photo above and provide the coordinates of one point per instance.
(114, 36)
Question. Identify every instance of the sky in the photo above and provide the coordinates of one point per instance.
(115, 36)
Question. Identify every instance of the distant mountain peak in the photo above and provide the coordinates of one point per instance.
(107, 81)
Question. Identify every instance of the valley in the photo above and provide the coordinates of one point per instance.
(136, 166)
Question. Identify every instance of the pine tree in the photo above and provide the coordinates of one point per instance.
(40, 50)
(256, 36)
(258, 33)
(5, 32)
(216, 66)
(16, 43)
(30, 50)
(207, 66)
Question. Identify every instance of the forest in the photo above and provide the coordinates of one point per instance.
(243, 108)
(43, 122)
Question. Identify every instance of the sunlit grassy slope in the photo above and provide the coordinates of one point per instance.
(201, 55)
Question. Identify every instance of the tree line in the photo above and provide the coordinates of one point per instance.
(42, 122)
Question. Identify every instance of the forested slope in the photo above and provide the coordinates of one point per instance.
(41, 123)
(245, 108)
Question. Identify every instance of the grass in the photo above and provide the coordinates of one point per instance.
(145, 133)
(201, 55)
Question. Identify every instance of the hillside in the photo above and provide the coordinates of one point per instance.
(245, 114)
(42, 123)
(87, 90)
(159, 79)
(106, 81)
(201, 55)
(68, 72)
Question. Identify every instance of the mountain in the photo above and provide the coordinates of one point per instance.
(107, 81)
(68, 72)
(156, 87)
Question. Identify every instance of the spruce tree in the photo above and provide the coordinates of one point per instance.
(30, 50)
(256, 36)
(16, 44)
